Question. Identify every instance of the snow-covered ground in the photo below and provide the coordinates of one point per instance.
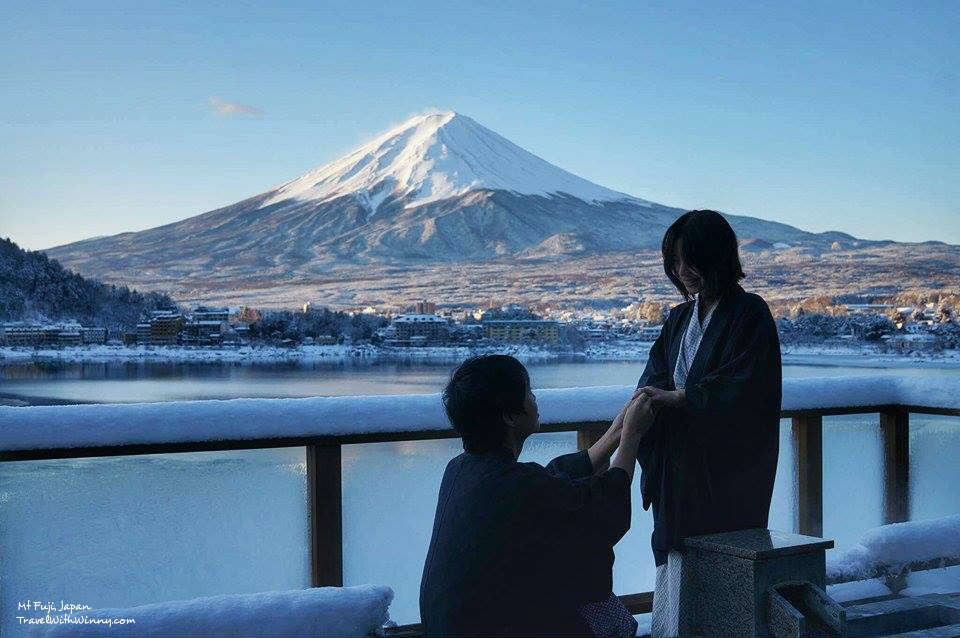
(853, 355)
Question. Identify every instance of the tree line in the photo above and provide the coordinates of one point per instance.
(34, 287)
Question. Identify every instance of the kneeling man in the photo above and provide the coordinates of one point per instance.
(519, 549)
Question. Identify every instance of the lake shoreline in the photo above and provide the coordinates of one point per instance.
(814, 354)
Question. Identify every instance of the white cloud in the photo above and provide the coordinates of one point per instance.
(224, 108)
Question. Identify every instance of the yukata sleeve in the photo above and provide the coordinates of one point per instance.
(572, 466)
(595, 507)
(657, 374)
(657, 370)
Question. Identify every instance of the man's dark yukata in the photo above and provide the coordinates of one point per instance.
(709, 466)
(517, 547)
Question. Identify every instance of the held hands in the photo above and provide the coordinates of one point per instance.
(637, 416)
(664, 398)
(634, 421)
(601, 451)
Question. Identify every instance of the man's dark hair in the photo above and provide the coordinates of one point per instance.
(709, 245)
(480, 391)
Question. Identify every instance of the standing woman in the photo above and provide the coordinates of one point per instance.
(713, 375)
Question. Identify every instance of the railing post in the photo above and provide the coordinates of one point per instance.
(808, 452)
(588, 436)
(324, 497)
(895, 430)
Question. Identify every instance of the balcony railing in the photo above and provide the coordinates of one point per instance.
(323, 425)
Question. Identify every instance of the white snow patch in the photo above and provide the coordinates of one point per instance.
(435, 156)
(896, 545)
(945, 580)
(177, 421)
(858, 590)
(323, 611)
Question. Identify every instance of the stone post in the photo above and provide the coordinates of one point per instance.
(731, 575)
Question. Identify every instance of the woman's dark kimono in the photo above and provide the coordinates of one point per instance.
(517, 547)
(709, 466)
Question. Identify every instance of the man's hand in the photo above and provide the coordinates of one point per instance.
(664, 398)
(638, 417)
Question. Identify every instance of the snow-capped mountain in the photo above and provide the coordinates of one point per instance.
(439, 187)
(437, 156)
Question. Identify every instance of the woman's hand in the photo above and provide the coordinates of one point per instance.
(664, 398)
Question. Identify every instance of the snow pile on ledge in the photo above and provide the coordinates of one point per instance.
(858, 590)
(945, 580)
(325, 611)
(40, 427)
(890, 547)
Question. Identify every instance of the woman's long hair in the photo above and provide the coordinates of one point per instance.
(709, 245)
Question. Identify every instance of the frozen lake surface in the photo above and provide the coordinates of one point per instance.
(119, 532)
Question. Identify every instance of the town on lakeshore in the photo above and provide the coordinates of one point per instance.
(924, 326)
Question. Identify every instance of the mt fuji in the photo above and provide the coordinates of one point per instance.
(439, 187)
(442, 207)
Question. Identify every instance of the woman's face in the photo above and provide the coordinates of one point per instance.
(687, 274)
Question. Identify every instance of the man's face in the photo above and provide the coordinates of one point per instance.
(529, 421)
(688, 275)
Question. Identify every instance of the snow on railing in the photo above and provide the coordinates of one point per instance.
(892, 551)
(326, 611)
(87, 425)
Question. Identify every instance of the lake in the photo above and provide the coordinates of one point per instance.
(147, 382)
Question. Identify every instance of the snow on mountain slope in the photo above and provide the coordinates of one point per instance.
(436, 156)
(438, 188)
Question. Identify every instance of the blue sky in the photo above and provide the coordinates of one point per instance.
(823, 115)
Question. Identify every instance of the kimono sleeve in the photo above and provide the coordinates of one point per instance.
(747, 381)
(596, 507)
(657, 374)
(572, 466)
(657, 370)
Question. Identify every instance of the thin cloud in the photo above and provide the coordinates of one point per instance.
(224, 108)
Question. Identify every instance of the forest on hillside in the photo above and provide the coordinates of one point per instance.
(34, 287)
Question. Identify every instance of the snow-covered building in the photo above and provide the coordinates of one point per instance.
(522, 330)
(203, 332)
(94, 335)
(69, 335)
(424, 307)
(429, 328)
(649, 333)
(204, 313)
(22, 335)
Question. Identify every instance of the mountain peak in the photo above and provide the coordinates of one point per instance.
(436, 155)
